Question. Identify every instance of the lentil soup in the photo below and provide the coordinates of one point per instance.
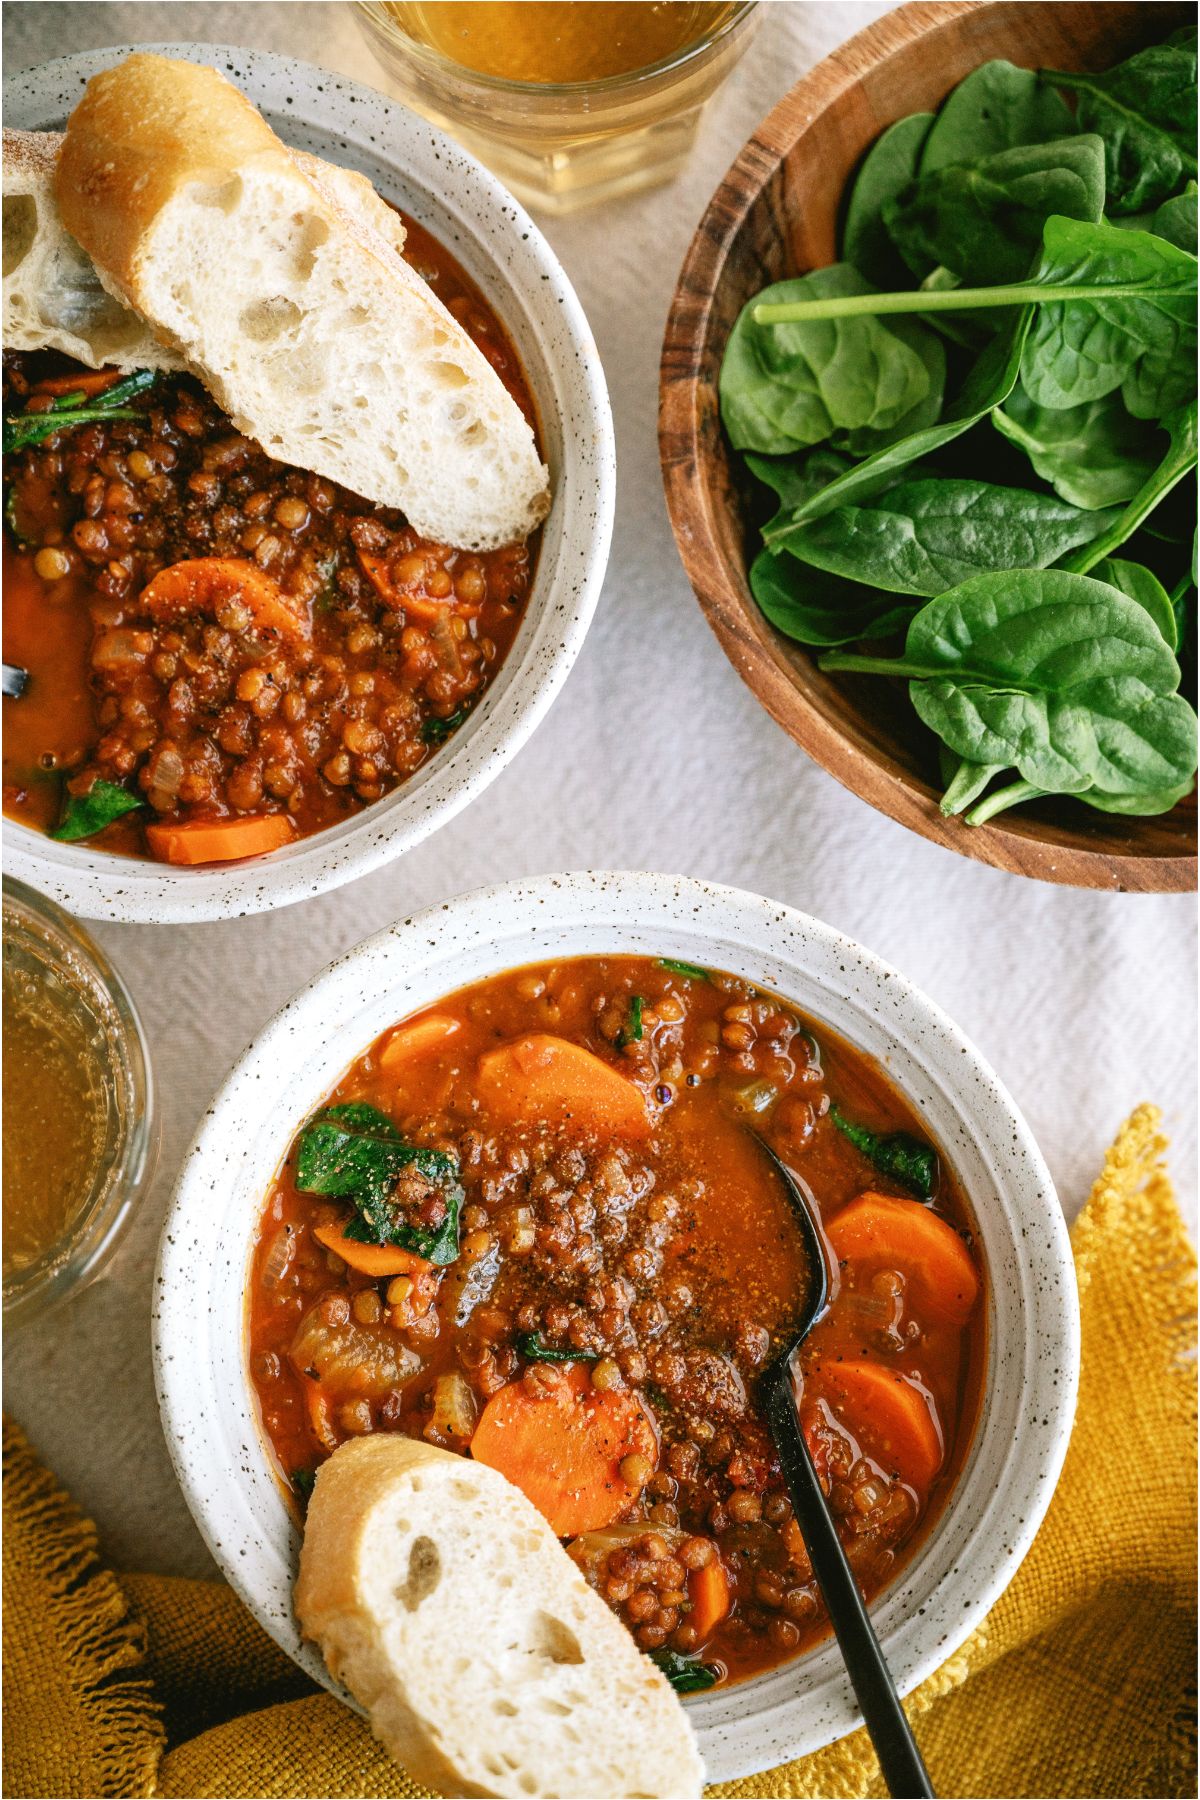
(533, 1225)
(225, 652)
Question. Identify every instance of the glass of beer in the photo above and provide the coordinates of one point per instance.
(569, 101)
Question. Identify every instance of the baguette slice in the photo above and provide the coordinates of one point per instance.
(442, 1599)
(53, 299)
(291, 306)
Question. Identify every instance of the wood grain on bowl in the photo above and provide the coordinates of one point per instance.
(775, 215)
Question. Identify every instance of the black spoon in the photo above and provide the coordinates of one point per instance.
(899, 1758)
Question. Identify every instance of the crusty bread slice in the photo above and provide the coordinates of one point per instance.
(442, 1599)
(293, 307)
(53, 299)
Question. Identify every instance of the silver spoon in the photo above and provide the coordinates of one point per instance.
(895, 1746)
(15, 681)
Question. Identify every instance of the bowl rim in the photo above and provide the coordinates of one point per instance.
(199, 1348)
(576, 537)
(751, 644)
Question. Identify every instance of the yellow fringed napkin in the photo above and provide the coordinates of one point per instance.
(1081, 1680)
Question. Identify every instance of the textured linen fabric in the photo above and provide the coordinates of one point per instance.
(656, 757)
(1080, 1680)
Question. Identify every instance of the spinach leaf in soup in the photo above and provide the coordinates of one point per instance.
(1145, 110)
(685, 1673)
(1063, 678)
(818, 609)
(994, 108)
(354, 1152)
(888, 167)
(984, 220)
(1093, 455)
(86, 814)
(897, 1154)
(923, 537)
(782, 390)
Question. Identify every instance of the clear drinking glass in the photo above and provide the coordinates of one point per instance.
(63, 985)
(567, 144)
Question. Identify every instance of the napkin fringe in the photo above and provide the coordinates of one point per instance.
(104, 1646)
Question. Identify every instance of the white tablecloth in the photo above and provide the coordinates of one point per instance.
(657, 757)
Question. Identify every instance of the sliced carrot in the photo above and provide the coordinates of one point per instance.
(376, 1260)
(894, 1420)
(417, 606)
(206, 584)
(416, 1038)
(540, 1077)
(561, 1441)
(708, 1591)
(907, 1236)
(94, 381)
(220, 840)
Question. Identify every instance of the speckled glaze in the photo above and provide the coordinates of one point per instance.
(208, 1412)
(466, 208)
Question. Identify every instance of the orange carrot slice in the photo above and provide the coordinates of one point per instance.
(219, 840)
(417, 606)
(90, 383)
(206, 583)
(541, 1077)
(708, 1590)
(907, 1236)
(376, 1260)
(561, 1441)
(894, 1420)
(416, 1038)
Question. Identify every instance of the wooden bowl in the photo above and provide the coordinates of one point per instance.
(774, 216)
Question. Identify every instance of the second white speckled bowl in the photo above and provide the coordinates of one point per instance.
(465, 207)
(990, 1519)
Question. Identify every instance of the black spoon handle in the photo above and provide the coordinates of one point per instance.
(870, 1677)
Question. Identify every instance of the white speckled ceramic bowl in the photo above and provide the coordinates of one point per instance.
(208, 1410)
(465, 207)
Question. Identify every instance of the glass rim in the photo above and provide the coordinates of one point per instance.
(78, 1255)
(376, 13)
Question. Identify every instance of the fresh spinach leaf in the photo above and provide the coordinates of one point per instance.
(1119, 312)
(1135, 805)
(69, 410)
(795, 479)
(1142, 585)
(994, 108)
(988, 384)
(899, 1155)
(86, 814)
(818, 609)
(782, 390)
(685, 1674)
(986, 218)
(691, 971)
(923, 537)
(1145, 110)
(531, 1347)
(1175, 220)
(354, 1152)
(1180, 457)
(1062, 677)
(965, 781)
(889, 165)
(1093, 455)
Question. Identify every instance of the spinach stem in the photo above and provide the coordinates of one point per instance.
(1171, 470)
(1001, 800)
(846, 306)
(966, 784)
